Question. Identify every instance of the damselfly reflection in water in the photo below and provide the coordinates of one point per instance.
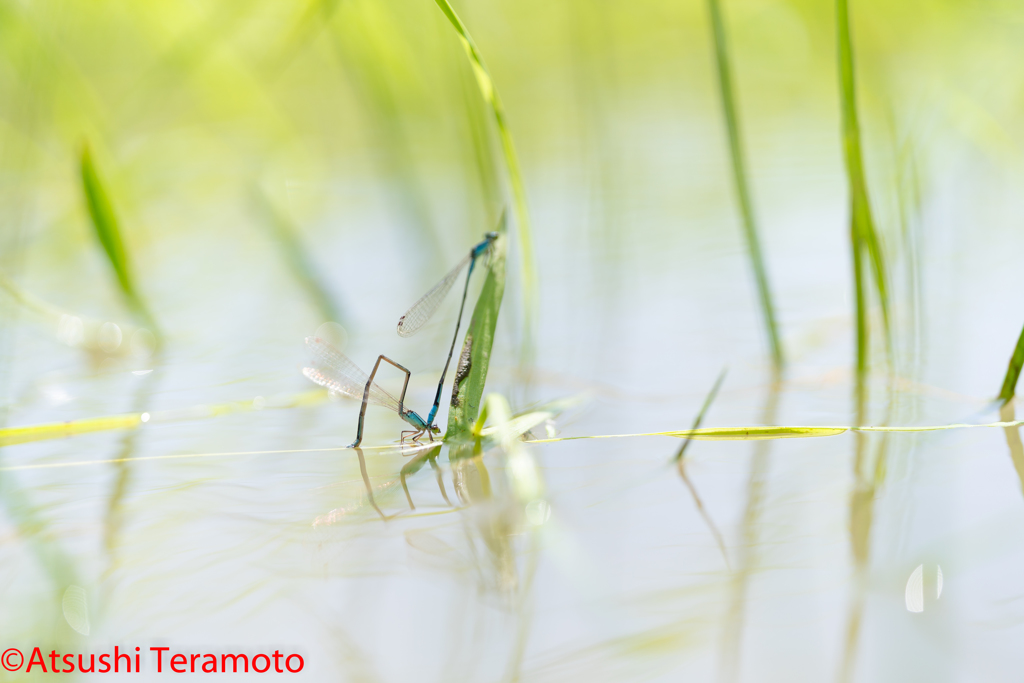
(333, 370)
(424, 309)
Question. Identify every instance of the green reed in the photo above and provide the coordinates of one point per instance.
(866, 246)
(515, 177)
(739, 172)
(1012, 372)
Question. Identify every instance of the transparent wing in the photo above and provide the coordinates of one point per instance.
(423, 309)
(332, 369)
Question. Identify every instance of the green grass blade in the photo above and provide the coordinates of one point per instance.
(474, 361)
(490, 95)
(58, 430)
(863, 233)
(1009, 388)
(295, 255)
(739, 172)
(105, 224)
(704, 409)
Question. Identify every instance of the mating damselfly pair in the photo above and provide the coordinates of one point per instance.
(333, 370)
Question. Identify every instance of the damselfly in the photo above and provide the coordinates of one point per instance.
(422, 310)
(332, 369)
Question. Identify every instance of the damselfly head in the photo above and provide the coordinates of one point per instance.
(435, 429)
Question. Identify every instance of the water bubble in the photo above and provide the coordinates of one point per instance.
(109, 337)
(914, 593)
(144, 417)
(538, 512)
(334, 333)
(70, 330)
(76, 609)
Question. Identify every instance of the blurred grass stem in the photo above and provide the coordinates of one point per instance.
(868, 259)
(297, 258)
(108, 232)
(739, 173)
(515, 177)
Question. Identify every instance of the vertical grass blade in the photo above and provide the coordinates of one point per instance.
(297, 258)
(1009, 388)
(739, 173)
(474, 361)
(868, 260)
(490, 95)
(105, 224)
(868, 266)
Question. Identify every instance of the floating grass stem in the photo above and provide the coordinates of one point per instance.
(739, 173)
(105, 224)
(868, 260)
(490, 95)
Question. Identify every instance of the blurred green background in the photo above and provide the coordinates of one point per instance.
(189, 189)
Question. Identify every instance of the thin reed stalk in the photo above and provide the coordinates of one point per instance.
(868, 260)
(739, 173)
(515, 177)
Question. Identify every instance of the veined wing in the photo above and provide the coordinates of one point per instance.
(422, 310)
(332, 369)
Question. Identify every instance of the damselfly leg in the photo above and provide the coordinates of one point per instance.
(366, 396)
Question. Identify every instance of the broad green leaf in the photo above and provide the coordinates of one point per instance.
(475, 358)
